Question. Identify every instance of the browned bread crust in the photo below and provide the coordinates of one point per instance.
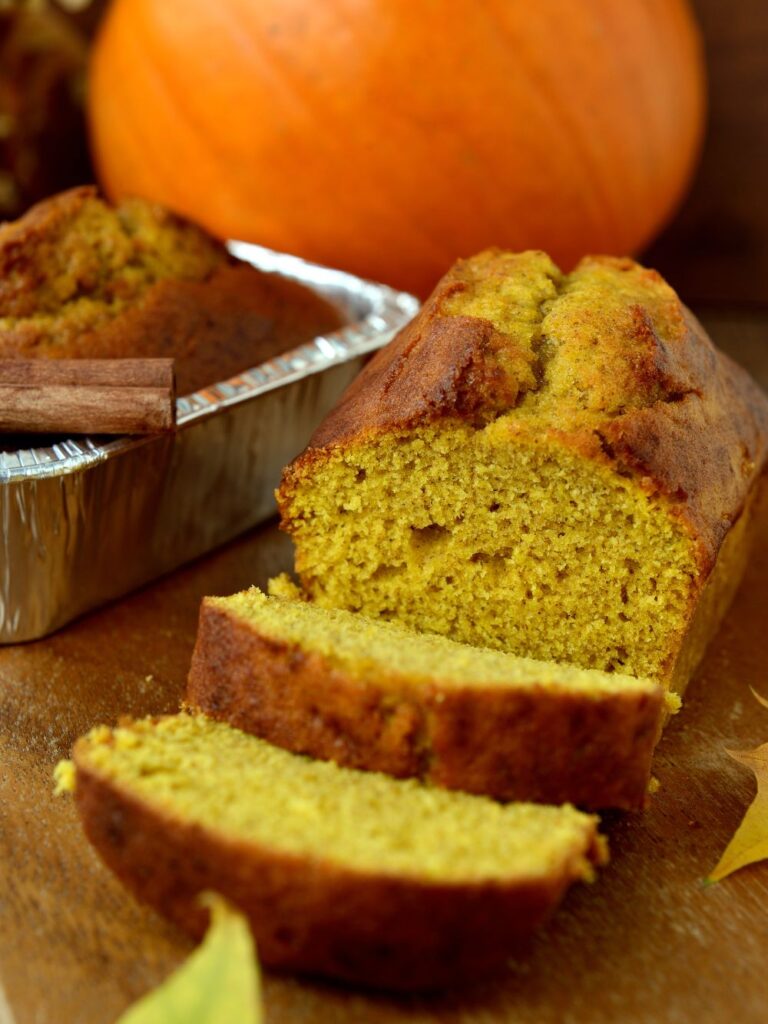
(605, 370)
(315, 917)
(81, 279)
(515, 743)
(662, 405)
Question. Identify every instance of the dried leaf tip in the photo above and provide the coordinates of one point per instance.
(218, 984)
(750, 841)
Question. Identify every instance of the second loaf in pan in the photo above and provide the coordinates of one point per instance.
(558, 465)
(81, 279)
(377, 696)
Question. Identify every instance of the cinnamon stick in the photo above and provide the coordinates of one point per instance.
(87, 396)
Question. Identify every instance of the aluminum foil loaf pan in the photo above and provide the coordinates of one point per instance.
(87, 520)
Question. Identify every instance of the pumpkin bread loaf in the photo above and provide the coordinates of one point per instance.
(353, 875)
(562, 466)
(374, 695)
(82, 279)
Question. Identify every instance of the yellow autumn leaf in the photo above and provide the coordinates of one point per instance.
(750, 842)
(218, 984)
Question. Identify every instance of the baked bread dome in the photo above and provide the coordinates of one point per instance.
(374, 695)
(558, 465)
(350, 874)
(82, 279)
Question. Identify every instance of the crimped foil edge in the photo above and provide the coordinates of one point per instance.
(375, 311)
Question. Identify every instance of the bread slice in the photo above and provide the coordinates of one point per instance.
(375, 695)
(353, 875)
(557, 465)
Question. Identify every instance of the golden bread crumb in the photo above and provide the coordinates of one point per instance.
(206, 773)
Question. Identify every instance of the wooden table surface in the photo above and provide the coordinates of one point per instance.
(647, 943)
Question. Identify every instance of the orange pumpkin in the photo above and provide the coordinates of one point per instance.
(389, 137)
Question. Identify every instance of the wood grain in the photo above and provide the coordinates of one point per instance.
(646, 944)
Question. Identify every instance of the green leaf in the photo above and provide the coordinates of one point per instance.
(218, 984)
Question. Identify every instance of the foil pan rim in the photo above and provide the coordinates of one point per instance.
(387, 311)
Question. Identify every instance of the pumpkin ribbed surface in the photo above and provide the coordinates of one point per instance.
(389, 138)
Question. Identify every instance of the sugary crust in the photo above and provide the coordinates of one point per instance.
(74, 244)
(318, 918)
(511, 743)
(705, 453)
(663, 405)
(214, 328)
(215, 315)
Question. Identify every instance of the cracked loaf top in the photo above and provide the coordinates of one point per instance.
(606, 360)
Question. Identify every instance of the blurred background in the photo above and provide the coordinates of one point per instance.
(714, 250)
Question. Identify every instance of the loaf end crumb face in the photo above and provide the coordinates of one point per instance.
(80, 278)
(351, 875)
(557, 465)
(375, 695)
